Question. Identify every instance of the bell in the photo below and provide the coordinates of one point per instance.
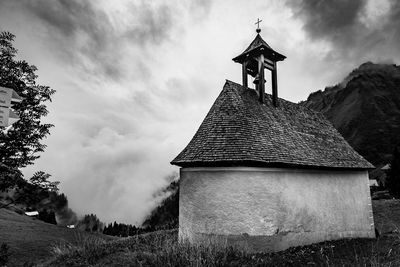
(257, 79)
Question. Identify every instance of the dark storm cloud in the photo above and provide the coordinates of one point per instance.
(343, 24)
(65, 19)
(81, 26)
(68, 16)
(328, 19)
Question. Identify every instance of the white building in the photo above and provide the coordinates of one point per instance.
(267, 173)
(32, 213)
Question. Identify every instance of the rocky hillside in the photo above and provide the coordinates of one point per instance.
(365, 108)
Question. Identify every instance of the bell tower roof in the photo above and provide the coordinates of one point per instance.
(257, 57)
(256, 48)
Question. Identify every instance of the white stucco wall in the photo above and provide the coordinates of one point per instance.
(268, 209)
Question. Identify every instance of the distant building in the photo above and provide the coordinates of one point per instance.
(378, 176)
(267, 173)
(32, 213)
(8, 97)
(386, 167)
(373, 182)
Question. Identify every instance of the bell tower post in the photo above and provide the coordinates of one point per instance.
(257, 57)
(244, 74)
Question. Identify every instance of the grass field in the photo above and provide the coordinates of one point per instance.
(35, 241)
(162, 249)
(387, 216)
(30, 240)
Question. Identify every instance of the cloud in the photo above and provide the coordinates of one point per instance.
(110, 155)
(83, 31)
(353, 29)
(120, 98)
(134, 79)
(153, 24)
(69, 16)
(199, 8)
(329, 19)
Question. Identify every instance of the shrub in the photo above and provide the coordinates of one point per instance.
(393, 176)
(47, 216)
(4, 254)
(85, 251)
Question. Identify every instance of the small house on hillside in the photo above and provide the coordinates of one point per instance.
(267, 173)
(32, 213)
(378, 176)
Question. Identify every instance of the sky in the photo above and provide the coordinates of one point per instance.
(135, 79)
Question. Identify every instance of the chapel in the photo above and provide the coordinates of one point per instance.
(267, 173)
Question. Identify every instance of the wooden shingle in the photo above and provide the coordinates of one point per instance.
(240, 131)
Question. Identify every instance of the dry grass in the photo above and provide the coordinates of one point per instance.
(154, 249)
(33, 241)
(162, 249)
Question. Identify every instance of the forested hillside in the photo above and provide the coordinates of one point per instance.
(365, 108)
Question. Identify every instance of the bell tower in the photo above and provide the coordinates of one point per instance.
(257, 57)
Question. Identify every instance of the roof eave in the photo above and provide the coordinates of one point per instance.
(255, 163)
(257, 51)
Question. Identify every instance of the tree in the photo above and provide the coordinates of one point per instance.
(393, 175)
(20, 145)
(165, 215)
(33, 195)
(9, 177)
(90, 223)
(41, 179)
(47, 216)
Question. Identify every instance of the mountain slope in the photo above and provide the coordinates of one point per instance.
(365, 108)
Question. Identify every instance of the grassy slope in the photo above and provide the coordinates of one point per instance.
(162, 249)
(387, 216)
(30, 239)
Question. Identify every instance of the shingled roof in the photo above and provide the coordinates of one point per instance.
(240, 131)
(255, 46)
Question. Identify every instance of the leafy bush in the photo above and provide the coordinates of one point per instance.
(393, 175)
(4, 254)
(47, 216)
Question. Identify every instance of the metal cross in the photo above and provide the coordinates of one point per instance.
(258, 23)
